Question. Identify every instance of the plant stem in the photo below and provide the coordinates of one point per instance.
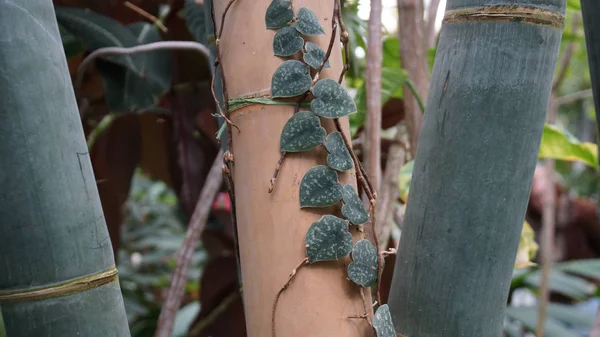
(283, 288)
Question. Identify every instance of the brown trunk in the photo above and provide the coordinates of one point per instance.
(271, 227)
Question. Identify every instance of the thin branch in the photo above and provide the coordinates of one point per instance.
(147, 15)
(567, 55)
(344, 38)
(365, 307)
(285, 286)
(214, 314)
(276, 173)
(376, 242)
(548, 227)
(184, 257)
(372, 137)
(170, 45)
(576, 96)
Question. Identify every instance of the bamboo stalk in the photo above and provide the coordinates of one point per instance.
(474, 166)
(57, 276)
(591, 27)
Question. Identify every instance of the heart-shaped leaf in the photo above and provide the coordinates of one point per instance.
(328, 239)
(279, 13)
(363, 269)
(290, 79)
(382, 322)
(314, 55)
(320, 187)
(339, 157)
(287, 42)
(353, 208)
(308, 23)
(302, 132)
(331, 100)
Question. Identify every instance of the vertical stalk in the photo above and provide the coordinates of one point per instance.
(591, 27)
(478, 148)
(58, 275)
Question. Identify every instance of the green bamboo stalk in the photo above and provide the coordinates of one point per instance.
(57, 270)
(477, 152)
(591, 27)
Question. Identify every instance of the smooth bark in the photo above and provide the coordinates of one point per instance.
(474, 166)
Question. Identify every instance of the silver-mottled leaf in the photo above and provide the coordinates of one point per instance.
(382, 322)
(279, 13)
(363, 269)
(339, 157)
(320, 187)
(314, 55)
(308, 23)
(328, 239)
(287, 42)
(331, 100)
(302, 132)
(290, 79)
(353, 208)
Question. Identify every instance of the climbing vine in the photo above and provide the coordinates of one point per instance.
(328, 238)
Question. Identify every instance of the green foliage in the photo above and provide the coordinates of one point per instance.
(314, 55)
(363, 269)
(279, 13)
(290, 79)
(287, 41)
(560, 145)
(331, 100)
(308, 23)
(353, 208)
(382, 322)
(133, 82)
(528, 316)
(302, 132)
(338, 156)
(328, 239)
(320, 187)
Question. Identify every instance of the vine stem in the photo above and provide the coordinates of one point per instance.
(285, 286)
(156, 21)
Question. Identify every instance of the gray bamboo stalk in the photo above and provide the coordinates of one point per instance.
(472, 177)
(372, 146)
(591, 27)
(58, 275)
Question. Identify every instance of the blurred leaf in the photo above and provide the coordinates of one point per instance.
(527, 247)
(559, 145)
(571, 315)
(193, 13)
(391, 53)
(71, 45)
(563, 283)
(404, 180)
(392, 83)
(588, 268)
(133, 82)
(184, 318)
(574, 5)
(528, 316)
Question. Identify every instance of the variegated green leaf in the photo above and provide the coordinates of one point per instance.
(382, 322)
(302, 132)
(328, 239)
(363, 269)
(279, 13)
(308, 23)
(339, 157)
(314, 55)
(331, 100)
(353, 208)
(320, 187)
(287, 42)
(290, 79)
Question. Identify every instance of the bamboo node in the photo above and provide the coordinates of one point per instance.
(70, 287)
(525, 14)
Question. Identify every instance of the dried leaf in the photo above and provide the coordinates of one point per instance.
(353, 208)
(308, 23)
(363, 269)
(290, 79)
(331, 100)
(302, 132)
(328, 239)
(382, 322)
(320, 187)
(314, 55)
(279, 13)
(287, 42)
(339, 157)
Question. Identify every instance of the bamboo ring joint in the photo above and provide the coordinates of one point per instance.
(503, 13)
